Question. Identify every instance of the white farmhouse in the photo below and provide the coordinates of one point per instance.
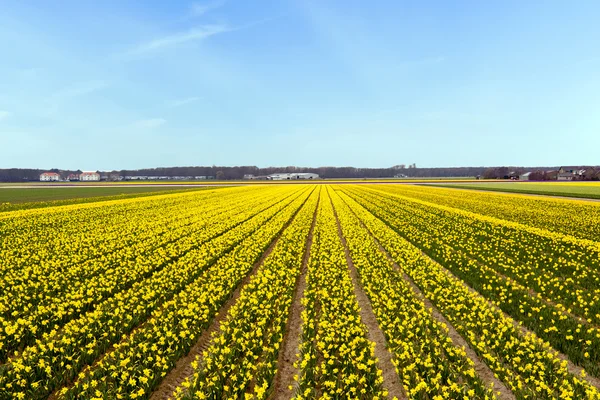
(49, 177)
(87, 176)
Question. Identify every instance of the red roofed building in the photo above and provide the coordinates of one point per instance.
(49, 177)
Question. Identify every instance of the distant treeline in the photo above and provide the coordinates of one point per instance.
(581, 173)
(324, 172)
(235, 173)
(26, 174)
(506, 172)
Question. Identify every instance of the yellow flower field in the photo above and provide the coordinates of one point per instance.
(376, 290)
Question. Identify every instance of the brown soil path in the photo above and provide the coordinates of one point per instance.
(293, 333)
(391, 381)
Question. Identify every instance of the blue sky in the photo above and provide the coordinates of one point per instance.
(128, 84)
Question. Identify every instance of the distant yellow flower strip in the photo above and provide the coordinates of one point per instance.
(63, 352)
(98, 197)
(63, 296)
(336, 358)
(428, 363)
(527, 364)
(448, 239)
(241, 360)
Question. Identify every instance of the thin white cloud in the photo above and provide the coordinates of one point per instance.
(198, 33)
(198, 9)
(149, 123)
(194, 34)
(182, 102)
(4, 114)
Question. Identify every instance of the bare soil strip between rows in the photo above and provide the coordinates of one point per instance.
(391, 380)
(293, 333)
(482, 369)
(183, 368)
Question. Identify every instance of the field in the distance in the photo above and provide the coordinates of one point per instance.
(15, 197)
(589, 190)
(302, 291)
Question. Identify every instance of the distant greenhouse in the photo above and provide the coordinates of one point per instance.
(525, 177)
(292, 176)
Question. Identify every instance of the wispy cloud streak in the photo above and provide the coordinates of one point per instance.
(194, 34)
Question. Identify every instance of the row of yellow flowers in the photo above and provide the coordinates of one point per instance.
(139, 362)
(41, 247)
(557, 223)
(31, 308)
(36, 241)
(241, 359)
(524, 362)
(566, 273)
(58, 356)
(23, 204)
(427, 361)
(553, 311)
(336, 359)
(567, 216)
